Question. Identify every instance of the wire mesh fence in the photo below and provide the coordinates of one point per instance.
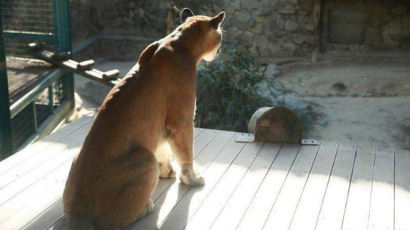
(27, 17)
(26, 123)
(24, 21)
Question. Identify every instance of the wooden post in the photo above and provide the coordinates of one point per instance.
(317, 9)
(276, 124)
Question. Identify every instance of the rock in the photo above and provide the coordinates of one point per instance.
(290, 25)
(309, 27)
(293, 102)
(406, 22)
(259, 18)
(399, 10)
(389, 31)
(299, 40)
(273, 70)
(373, 36)
(339, 86)
(243, 16)
(287, 9)
(288, 48)
(251, 4)
(247, 36)
(264, 11)
(234, 5)
(257, 28)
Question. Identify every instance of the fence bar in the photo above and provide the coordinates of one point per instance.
(62, 34)
(28, 36)
(5, 120)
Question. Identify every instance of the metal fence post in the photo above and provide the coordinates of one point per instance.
(62, 32)
(5, 119)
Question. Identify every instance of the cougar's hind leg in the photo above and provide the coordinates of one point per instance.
(134, 176)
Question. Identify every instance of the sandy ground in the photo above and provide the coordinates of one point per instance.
(89, 94)
(377, 121)
(366, 97)
(372, 109)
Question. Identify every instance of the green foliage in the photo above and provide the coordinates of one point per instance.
(231, 89)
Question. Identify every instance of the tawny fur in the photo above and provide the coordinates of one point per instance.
(113, 176)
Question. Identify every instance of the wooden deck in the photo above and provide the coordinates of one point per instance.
(248, 186)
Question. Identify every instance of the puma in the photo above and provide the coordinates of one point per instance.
(117, 169)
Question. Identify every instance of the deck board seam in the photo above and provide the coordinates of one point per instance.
(28, 186)
(348, 190)
(46, 147)
(167, 187)
(259, 187)
(327, 184)
(212, 160)
(371, 187)
(237, 185)
(59, 219)
(67, 158)
(281, 187)
(394, 187)
(40, 214)
(213, 187)
(59, 200)
(304, 186)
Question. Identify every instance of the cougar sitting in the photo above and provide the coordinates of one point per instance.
(113, 176)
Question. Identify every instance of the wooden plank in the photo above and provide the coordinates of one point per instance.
(382, 199)
(236, 206)
(215, 166)
(55, 212)
(258, 211)
(59, 225)
(47, 218)
(402, 190)
(16, 213)
(200, 142)
(282, 212)
(27, 204)
(333, 206)
(15, 182)
(197, 131)
(358, 202)
(166, 202)
(57, 136)
(39, 158)
(308, 208)
(206, 214)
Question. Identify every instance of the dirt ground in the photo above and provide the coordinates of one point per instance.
(365, 96)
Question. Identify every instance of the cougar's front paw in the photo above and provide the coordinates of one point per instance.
(190, 177)
(166, 170)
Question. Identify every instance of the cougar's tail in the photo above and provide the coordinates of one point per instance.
(79, 223)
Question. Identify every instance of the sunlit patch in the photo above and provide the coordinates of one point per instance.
(211, 55)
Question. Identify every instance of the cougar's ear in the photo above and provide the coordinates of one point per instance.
(217, 20)
(185, 13)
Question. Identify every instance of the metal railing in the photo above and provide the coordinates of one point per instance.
(51, 98)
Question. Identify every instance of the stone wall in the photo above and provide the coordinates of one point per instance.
(268, 28)
(388, 24)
